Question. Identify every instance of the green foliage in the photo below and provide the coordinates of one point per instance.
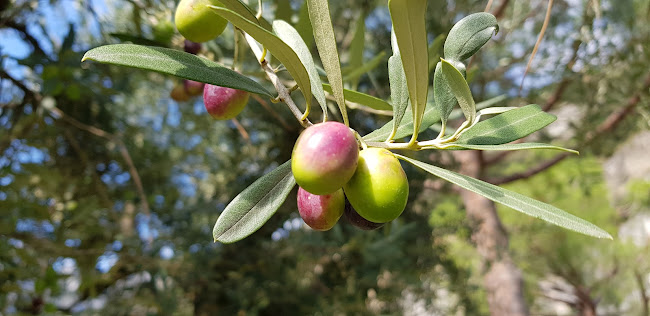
(470, 34)
(173, 62)
(254, 206)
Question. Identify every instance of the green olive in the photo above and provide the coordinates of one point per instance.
(379, 189)
(197, 22)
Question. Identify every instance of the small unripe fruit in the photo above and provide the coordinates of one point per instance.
(224, 103)
(179, 94)
(163, 32)
(191, 47)
(379, 189)
(320, 212)
(324, 157)
(357, 220)
(193, 88)
(196, 21)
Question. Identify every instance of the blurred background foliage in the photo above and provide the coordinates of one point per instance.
(109, 189)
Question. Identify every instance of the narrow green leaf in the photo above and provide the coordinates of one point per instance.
(356, 73)
(303, 26)
(514, 200)
(246, 12)
(290, 36)
(460, 89)
(507, 127)
(357, 46)
(398, 88)
(319, 14)
(470, 34)
(518, 146)
(430, 117)
(442, 93)
(362, 98)
(435, 51)
(249, 210)
(411, 34)
(173, 62)
(278, 48)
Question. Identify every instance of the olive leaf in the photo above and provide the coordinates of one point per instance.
(173, 62)
(507, 127)
(516, 201)
(251, 208)
(362, 98)
(442, 93)
(245, 11)
(398, 89)
(470, 34)
(319, 14)
(290, 36)
(410, 31)
(460, 89)
(278, 48)
(517, 146)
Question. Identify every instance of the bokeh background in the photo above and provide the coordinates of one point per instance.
(109, 188)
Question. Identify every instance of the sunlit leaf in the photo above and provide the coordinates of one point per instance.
(290, 36)
(278, 48)
(514, 200)
(362, 98)
(319, 14)
(445, 98)
(470, 34)
(173, 62)
(430, 117)
(460, 89)
(398, 88)
(249, 210)
(518, 146)
(246, 12)
(410, 31)
(507, 127)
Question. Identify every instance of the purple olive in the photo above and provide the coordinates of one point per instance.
(324, 157)
(357, 220)
(192, 47)
(320, 212)
(224, 103)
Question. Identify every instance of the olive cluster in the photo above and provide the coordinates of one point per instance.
(332, 172)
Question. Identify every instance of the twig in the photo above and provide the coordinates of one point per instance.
(283, 92)
(539, 41)
(488, 6)
(501, 9)
(644, 296)
(242, 130)
(267, 107)
(133, 171)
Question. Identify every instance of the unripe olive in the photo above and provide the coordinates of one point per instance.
(224, 103)
(193, 88)
(379, 189)
(357, 220)
(197, 22)
(179, 94)
(324, 157)
(163, 32)
(320, 212)
(191, 47)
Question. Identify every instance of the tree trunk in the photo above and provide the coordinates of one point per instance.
(503, 280)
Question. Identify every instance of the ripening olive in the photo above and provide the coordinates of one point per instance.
(224, 103)
(320, 212)
(356, 220)
(379, 189)
(324, 157)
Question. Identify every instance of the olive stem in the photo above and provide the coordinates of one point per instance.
(284, 94)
